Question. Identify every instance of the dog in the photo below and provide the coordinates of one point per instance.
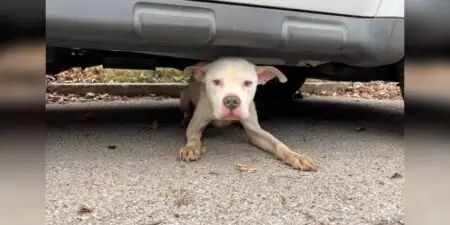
(220, 93)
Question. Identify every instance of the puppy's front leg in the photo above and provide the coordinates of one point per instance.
(269, 143)
(194, 147)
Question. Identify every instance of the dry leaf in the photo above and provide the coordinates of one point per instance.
(98, 183)
(396, 176)
(84, 209)
(176, 190)
(182, 197)
(89, 95)
(59, 99)
(213, 173)
(359, 129)
(156, 222)
(245, 168)
(154, 125)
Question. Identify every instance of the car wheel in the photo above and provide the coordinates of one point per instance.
(275, 91)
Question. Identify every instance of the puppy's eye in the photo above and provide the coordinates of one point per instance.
(247, 83)
(216, 82)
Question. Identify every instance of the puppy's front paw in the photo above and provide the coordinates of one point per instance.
(190, 153)
(297, 160)
(300, 161)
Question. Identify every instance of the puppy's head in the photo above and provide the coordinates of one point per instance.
(231, 84)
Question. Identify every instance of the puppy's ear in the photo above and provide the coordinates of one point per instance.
(266, 73)
(198, 71)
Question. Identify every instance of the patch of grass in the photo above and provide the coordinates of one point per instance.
(160, 75)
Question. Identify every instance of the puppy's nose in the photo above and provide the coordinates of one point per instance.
(231, 101)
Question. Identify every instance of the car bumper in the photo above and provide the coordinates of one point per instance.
(206, 30)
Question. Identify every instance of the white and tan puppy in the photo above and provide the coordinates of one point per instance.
(221, 93)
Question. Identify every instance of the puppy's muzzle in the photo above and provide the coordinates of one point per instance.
(231, 102)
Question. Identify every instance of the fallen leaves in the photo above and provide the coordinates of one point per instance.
(366, 90)
(91, 97)
(50, 79)
(85, 209)
(77, 75)
(244, 168)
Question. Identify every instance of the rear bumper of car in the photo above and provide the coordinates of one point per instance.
(202, 30)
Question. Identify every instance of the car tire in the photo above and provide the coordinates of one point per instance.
(275, 91)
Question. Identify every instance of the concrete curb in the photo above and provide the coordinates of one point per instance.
(162, 89)
(119, 89)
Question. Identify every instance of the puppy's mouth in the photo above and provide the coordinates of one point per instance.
(230, 115)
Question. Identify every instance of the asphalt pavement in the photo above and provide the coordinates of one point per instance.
(116, 163)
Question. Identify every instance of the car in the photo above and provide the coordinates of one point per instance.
(347, 40)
